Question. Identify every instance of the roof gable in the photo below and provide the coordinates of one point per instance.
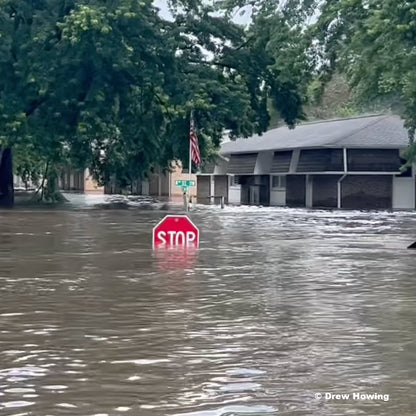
(383, 131)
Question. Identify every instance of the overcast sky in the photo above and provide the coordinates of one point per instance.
(238, 18)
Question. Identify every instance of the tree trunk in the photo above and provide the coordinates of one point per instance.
(50, 191)
(6, 178)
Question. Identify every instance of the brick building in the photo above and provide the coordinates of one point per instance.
(158, 185)
(349, 163)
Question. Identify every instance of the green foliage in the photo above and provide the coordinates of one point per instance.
(331, 99)
(373, 42)
(109, 85)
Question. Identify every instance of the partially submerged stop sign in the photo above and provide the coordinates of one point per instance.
(175, 231)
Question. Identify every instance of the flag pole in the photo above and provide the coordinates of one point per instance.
(187, 194)
(190, 144)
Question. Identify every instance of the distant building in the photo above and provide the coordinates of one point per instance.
(158, 185)
(164, 184)
(350, 163)
(213, 182)
(73, 180)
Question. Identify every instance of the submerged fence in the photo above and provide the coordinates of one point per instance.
(210, 198)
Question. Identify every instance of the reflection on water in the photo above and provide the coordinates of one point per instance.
(276, 306)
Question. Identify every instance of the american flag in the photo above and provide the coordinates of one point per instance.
(195, 154)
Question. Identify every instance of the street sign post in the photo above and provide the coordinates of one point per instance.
(175, 231)
(184, 183)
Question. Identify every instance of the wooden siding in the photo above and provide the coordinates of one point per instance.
(367, 192)
(242, 164)
(203, 189)
(295, 191)
(321, 160)
(373, 160)
(281, 162)
(221, 188)
(325, 191)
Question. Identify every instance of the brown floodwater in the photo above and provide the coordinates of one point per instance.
(277, 307)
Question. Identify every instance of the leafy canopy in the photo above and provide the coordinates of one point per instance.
(373, 42)
(109, 84)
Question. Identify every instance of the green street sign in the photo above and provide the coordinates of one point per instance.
(184, 183)
(184, 188)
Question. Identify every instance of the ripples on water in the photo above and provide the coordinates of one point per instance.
(276, 306)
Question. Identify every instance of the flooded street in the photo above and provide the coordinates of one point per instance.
(277, 308)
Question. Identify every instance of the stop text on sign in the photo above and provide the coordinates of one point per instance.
(176, 238)
(175, 231)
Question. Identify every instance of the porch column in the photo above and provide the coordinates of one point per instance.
(339, 191)
(309, 192)
(72, 180)
(212, 187)
(159, 183)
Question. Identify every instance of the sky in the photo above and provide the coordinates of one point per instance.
(238, 16)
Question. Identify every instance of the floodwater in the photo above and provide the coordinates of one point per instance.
(278, 307)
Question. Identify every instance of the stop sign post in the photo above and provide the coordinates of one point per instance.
(175, 231)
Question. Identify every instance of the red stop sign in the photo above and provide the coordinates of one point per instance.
(175, 231)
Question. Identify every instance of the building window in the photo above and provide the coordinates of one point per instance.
(279, 182)
(281, 162)
(374, 160)
(234, 180)
(321, 160)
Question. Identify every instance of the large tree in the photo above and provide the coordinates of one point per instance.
(373, 42)
(109, 85)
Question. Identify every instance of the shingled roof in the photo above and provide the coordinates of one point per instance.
(381, 131)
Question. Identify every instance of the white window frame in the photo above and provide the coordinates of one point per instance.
(233, 181)
(281, 182)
